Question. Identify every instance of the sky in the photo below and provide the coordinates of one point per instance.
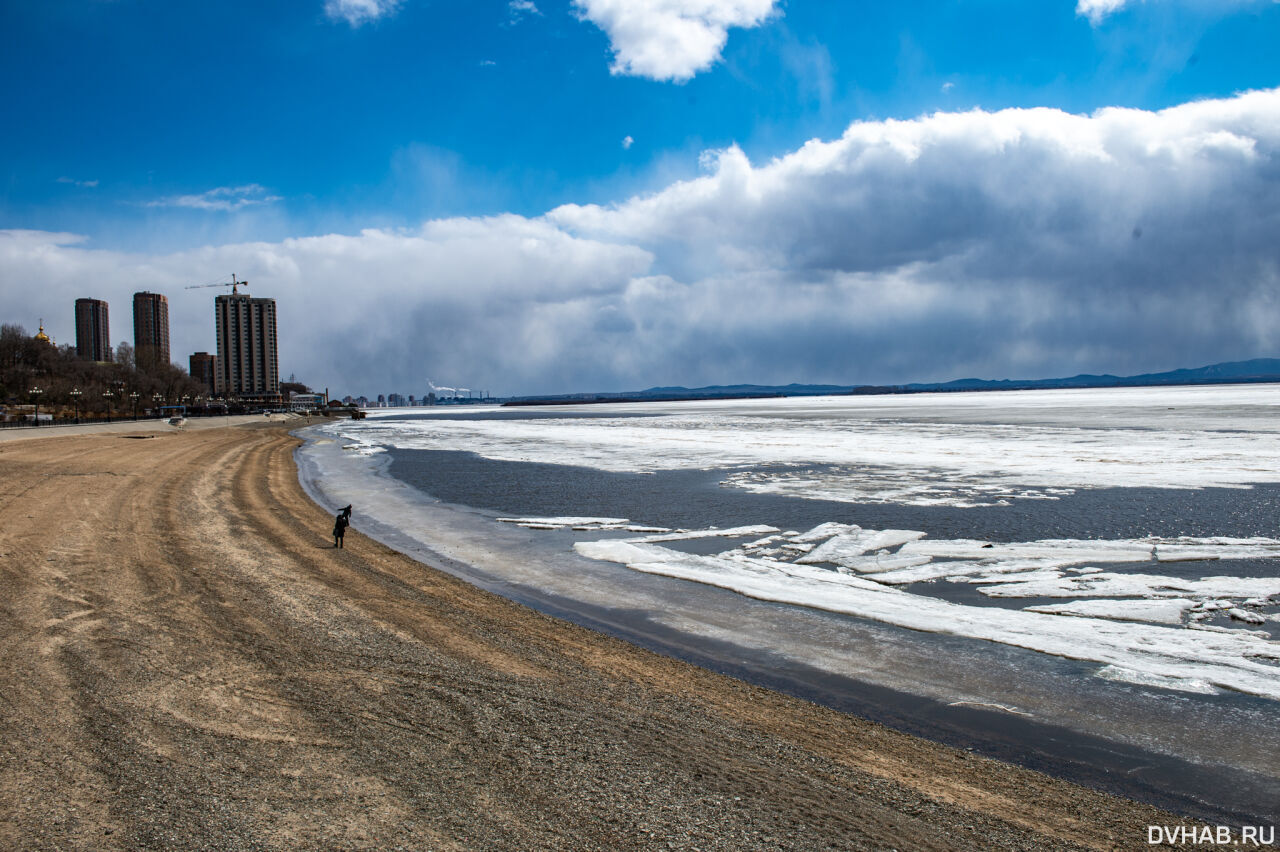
(554, 196)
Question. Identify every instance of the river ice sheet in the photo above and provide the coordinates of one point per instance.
(970, 449)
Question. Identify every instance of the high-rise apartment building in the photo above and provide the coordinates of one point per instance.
(93, 334)
(248, 365)
(150, 329)
(204, 369)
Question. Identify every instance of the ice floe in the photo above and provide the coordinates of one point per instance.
(1138, 638)
(713, 532)
(1171, 657)
(843, 547)
(579, 523)
(1105, 584)
(1145, 678)
(1157, 611)
(361, 448)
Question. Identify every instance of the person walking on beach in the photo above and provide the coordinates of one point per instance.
(340, 529)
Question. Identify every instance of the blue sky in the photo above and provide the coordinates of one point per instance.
(173, 137)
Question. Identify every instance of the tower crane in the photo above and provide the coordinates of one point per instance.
(234, 285)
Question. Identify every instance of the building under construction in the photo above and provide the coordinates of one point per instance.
(247, 367)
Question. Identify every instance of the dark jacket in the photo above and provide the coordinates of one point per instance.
(340, 526)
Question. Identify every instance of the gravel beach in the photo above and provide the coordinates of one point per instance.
(188, 663)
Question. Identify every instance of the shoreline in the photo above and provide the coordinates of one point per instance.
(189, 663)
(1193, 785)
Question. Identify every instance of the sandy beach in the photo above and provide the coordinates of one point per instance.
(188, 663)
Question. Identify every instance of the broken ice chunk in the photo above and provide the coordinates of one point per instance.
(1244, 615)
(841, 548)
(824, 531)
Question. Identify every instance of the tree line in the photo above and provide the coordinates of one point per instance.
(36, 371)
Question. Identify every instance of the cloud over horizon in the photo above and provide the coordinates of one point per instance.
(1018, 243)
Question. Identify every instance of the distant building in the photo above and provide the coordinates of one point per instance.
(306, 401)
(248, 365)
(150, 328)
(93, 333)
(395, 400)
(347, 400)
(362, 401)
(382, 400)
(204, 369)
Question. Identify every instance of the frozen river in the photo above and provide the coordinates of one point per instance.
(1086, 581)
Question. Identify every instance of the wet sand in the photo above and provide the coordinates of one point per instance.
(188, 663)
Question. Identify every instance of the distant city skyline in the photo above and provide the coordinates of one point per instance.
(554, 197)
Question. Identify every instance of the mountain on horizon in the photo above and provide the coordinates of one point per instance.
(1256, 370)
(1231, 372)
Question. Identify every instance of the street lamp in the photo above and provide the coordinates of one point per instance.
(75, 398)
(134, 396)
(35, 395)
(107, 395)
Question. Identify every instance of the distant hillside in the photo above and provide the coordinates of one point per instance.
(1235, 372)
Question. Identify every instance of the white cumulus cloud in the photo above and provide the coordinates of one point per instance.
(670, 39)
(360, 12)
